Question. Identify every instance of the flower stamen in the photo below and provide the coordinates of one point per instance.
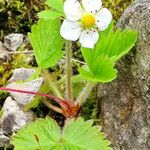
(88, 20)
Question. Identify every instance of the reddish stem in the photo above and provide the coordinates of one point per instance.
(69, 108)
(58, 100)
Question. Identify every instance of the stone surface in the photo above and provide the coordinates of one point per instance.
(22, 98)
(13, 41)
(21, 74)
(125, 103)
(13, 117)
(4, 141)
(4, 56)
(142, 1)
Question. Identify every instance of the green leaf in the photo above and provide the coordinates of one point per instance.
(115, 44)
(46, 130)
(100, 61)
(49, 14)
(47, 42)
(81, 135)
(78, 79)
(45, 134)
(99, 70)
(56, 4)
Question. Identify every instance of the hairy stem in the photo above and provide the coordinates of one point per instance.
(69, 91)
(85, 93)
(53, 86)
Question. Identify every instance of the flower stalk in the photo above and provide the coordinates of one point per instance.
(68, 108)
(56, 99)
(69, 91)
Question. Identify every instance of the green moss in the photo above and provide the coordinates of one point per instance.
(117, 7)
(6, 68)
(18, 15)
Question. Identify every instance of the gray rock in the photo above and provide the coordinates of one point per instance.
(4, 141)
(22, 98)
(21, 74)
(13, 41)
(125, 103)
(4, 56)
(142, 1)
(14, 117)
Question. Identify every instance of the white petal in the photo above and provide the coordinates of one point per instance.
(89, 38)
(92, 6)
(73, 10)
(103, 19)
(70, 30)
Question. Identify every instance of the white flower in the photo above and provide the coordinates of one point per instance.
(84, 22)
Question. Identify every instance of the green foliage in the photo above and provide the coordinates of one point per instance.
(57, 4)
(6, 68)
(49, 14)
(55, 12)
(45, 134)
(1, 5)
(115, 44)
(47, 42)
(112, 45)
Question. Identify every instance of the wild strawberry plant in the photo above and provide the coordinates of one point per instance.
(101, 46)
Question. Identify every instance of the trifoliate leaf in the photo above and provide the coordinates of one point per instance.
(47, 42)
(112, 45)
(115, 44)
(45, 134)
(56, 4)
(49, 14)
(40, 135)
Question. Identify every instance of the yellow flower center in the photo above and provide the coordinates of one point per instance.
(88, 20)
